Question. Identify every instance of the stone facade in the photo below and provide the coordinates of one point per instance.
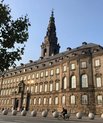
(71, 79)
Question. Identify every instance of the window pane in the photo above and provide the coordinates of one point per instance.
(39, 101)
(98, 82)
(41, 88)
(99, 99)
(57, 70)
(84, 81)
(51, 72)
(84, 99)
(41, 74)
(46, 73)
(51, 86)
(63, 99)
(57, 86)
(36, 88)
(50, 101)
(56, 100)
(97, 62)
(83, 65)
(64, 83)
(64, 68)
(72, 99)
(45, 87)
(73, 82)
(72, 66)
(32, 89)
(34, 101)
(44, 101)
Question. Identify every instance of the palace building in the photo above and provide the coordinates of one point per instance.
(71, 79)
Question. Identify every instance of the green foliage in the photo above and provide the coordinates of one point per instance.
(13, 35)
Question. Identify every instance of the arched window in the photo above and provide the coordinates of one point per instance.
(56, 100)
(45, 52)
(64, 83)
(63, 99)
(73, 81)
(50, 100)
(40, 88)
(72, 99)
(84, 99)
(32, 89)
(34, 101)
(39, 100)
(51, 87)
(45, 100)
(84, 80)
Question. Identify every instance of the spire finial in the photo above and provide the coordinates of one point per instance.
(52, 14)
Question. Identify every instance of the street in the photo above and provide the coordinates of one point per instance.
(39, 119)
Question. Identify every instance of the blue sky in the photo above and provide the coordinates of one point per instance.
(76, 21)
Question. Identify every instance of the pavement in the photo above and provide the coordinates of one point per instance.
(49, 119)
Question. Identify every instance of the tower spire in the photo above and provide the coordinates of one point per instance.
(50, 46)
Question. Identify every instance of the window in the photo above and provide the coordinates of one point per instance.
(72, 66)
(32, 89)
(44, 100)
(36, 88)
(24, 77)
(98, 82)
(50, 101)
(73, 81)
(51, 87)
(64, 68)
(51, 72)
(63, 99)
(30, 101)
(45, 87)
(41, 88)
(57, 71)
(84, 99)
(28, 88)
(39, 101)
(46, 73)
(84, 81)
(99, 99)
(33, 76)
(28, 76)
(37, 75)
(57, 86)
(34, 101)
(64, 83)
(97, 62)
(41, 74)
(83, 64)
(17, 80)
(72, 99)
(56, 100)
(24, 101)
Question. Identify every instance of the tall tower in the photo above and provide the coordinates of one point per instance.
(50, 46)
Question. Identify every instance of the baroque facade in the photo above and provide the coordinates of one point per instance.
(73, 78)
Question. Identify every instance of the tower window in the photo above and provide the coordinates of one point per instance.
(45, 52)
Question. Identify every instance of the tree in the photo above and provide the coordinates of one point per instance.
(13, 35)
